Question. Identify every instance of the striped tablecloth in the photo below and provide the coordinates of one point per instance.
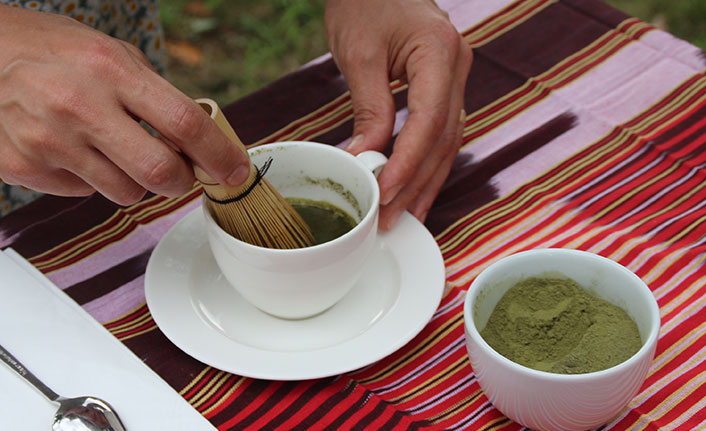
(585, 130)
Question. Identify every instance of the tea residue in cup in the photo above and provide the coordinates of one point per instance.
(326, 221)
(554, 325)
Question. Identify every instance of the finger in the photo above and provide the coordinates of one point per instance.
(373, 106)
(151, 163)
(105, 177)
(184, 123)
(53, 181)
(425, 174)
(421, 205)
(428, 98)
(419, 194)
(19, 169)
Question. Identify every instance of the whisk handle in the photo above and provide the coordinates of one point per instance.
(211, 107)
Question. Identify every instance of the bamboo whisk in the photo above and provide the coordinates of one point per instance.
(253, 212)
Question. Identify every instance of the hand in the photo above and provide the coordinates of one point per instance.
(374, 42)
(70, 103)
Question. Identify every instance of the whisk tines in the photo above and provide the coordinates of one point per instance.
(254, 212)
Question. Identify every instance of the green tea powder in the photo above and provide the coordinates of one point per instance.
(554, 325)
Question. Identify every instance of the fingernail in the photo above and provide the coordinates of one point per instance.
(392, 219)
(462, 117)
(239, 175)
(390, 194)
(355, 143)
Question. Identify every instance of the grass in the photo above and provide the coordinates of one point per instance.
(227, 49)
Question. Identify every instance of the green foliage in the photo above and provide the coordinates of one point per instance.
(246, 44)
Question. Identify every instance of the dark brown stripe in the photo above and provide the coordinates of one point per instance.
(52, 220)
(598, 11)
(469, 187)
(285, 100)
(251, 392)
(365, 397)
(529, 52)
(110, 279)
(168, 361)
(269, 406)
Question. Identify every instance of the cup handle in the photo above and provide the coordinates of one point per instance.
(373, 160)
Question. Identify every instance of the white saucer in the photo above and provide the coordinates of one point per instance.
(203, 315)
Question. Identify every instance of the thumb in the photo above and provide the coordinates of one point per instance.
(373, 108)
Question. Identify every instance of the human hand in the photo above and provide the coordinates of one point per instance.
(374, 42)
(71, 101)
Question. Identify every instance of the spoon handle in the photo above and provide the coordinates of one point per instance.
(24, 372)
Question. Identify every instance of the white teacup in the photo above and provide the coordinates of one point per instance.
(299, 283)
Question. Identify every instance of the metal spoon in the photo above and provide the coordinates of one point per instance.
(76, 414)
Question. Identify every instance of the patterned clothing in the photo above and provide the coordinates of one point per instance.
(134, 21)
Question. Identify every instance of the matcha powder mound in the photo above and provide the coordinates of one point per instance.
(554, 325)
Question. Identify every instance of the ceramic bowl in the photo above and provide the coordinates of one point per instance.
(548, 401)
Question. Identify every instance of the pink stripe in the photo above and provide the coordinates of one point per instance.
(140, 240)
(118, 302)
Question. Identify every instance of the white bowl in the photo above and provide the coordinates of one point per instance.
(548, 401)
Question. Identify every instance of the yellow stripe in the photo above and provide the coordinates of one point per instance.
(636, 28)
(90, 241)
(496, 423)
(225, 396)
(693, 266)
(451, 244)
(211, 388)
(132, 324)
(692, 308)
(430, 384)
(668, 355)
(633, 191)
(118, 214)
(437, 335)
(312, 120)
(674, 398)
(193, 382)
(459, 406)
(136, 334)
(544, 81)
(696, 408)
(196, 398)
(503, 19)
(490, 239)
(124, 315)
(629, 245)
(529, 195)
(665, 358)
(346, 108)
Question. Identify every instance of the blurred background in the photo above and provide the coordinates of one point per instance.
(228, 49)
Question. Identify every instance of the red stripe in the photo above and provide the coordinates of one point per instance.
(230, 381)
(543, 196)
(508, 23)
(114, 237)
(139, 312)
(546, 91)
(486, 22)
(202, 382)
(123, 334)
(248, 407)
